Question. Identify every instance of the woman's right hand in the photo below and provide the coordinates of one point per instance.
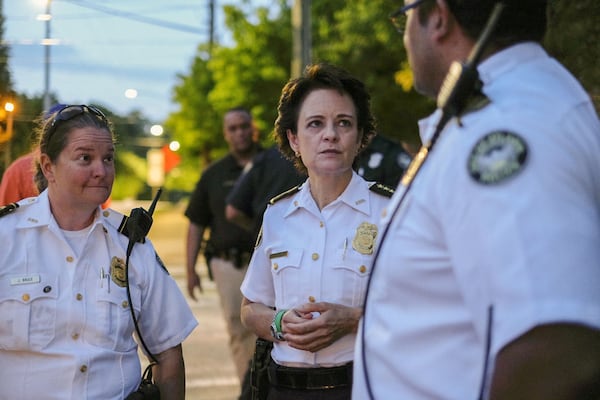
(315, 326)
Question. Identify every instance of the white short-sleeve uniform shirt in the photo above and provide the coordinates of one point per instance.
(504, 215)
(65, 323)
(309, 255)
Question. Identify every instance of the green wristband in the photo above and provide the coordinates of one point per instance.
(278, 318)
(276, 325)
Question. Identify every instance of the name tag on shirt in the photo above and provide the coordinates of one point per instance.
(277, 255)
(25, 280)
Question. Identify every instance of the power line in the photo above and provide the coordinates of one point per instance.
(136, 17)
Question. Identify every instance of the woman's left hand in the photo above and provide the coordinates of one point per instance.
(314, 326)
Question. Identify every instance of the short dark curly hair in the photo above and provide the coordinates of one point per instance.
(320, 76)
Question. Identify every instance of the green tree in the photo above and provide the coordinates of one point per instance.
(250, 74)
(573, 36)
(359, 36)
(5, 79)
(195, 125)
(355, 35)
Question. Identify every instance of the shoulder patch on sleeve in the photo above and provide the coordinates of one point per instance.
(7, 209)
(382, 189)
(285, 194)
(496, 157)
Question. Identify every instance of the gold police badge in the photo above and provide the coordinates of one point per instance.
(117, 271)
(364, 241)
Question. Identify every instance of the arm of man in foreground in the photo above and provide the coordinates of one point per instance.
(550, 362)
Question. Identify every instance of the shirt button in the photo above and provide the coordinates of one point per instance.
(75, 336)
(25, 297)
(105, 213)
(83, 368)
(79, 296)
(70, 259)
(275, 266)
(321, 224)
(315, 256)
(311, 299)
(124, 304)
(362, 269)
(47, 289)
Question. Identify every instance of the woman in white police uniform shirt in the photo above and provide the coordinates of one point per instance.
(65, 324)
(309, 270)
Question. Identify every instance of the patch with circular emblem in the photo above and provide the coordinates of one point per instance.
(496, 157)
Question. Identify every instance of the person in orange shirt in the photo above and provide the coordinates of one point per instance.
(17, 182)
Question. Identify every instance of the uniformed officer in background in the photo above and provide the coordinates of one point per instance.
(228, 247)
(383, 161)
(488, 280)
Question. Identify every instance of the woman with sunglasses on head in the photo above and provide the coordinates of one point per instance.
(66, 331)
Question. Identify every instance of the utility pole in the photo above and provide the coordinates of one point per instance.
(211, 23)
(302, 38)
(47, 58)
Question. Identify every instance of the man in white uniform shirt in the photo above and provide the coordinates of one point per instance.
(488, 279)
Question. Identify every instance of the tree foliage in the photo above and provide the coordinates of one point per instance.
(252, 70)
(573, 38)
(356, 35)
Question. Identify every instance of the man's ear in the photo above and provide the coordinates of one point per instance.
(441, 20)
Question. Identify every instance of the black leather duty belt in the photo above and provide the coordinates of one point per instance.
(238, 258)
(310, 378)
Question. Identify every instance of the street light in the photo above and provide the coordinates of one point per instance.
(9, 107)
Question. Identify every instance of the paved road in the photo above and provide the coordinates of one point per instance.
(210, 373)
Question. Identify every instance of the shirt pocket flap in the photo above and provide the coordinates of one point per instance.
(13, 287)
(288, 258)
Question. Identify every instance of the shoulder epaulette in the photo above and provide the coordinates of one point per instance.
(7, 209)
(382, 189)
(285, 194)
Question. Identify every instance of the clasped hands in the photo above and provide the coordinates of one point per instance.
(315, 326)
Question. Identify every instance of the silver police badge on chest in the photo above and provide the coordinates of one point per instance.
(496, 157)
(364, 240)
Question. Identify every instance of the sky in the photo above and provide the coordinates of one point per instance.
(107, 47)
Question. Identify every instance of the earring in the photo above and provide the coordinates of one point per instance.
(297, 153)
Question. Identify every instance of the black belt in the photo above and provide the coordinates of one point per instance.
(238, 258)
(310, 378)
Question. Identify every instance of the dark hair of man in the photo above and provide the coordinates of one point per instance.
(239, 109)
(320, 76)
(521, 20)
